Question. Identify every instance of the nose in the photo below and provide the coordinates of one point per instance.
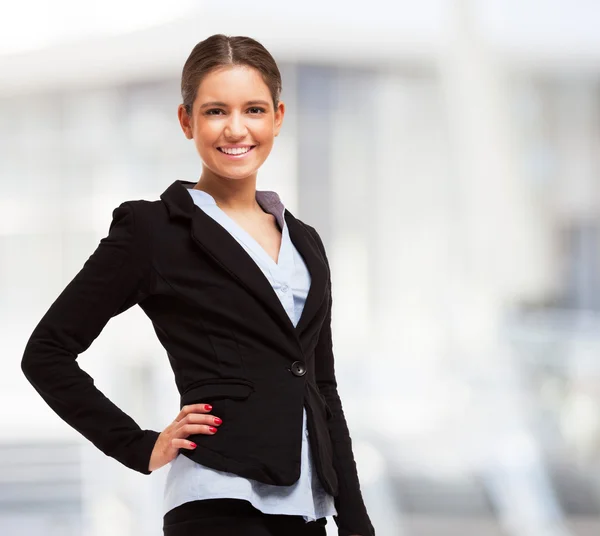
(235, 127)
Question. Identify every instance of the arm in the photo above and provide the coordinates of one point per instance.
(352, 518)
(113, 279)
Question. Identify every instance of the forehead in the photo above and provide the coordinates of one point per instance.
(233, 82)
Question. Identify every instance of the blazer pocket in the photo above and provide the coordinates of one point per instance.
(217, 389)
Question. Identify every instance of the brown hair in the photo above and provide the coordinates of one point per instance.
(220, 50)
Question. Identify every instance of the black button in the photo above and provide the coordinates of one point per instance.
(298, 368)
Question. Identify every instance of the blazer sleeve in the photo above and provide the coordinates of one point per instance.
(113, 279)
(352, 518)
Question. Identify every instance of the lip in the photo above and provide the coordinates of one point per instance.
(237, 156)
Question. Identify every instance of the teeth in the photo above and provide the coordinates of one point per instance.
(236, 150)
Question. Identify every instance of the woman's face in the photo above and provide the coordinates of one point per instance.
(233, 108)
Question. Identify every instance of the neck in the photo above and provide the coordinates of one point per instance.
(237, 195)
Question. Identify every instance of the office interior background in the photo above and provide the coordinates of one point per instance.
(448, 152)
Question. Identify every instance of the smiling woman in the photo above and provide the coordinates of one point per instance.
(239, 293)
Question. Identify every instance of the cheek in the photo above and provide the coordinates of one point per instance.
(207, 135)
(265, 132)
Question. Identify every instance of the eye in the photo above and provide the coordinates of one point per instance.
(209, 112)
(261, 110)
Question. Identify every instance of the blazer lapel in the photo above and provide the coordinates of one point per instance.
(226, 251)
(319, 273)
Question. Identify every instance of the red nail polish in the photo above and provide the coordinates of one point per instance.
(212, 429)
(193, 445)
(207, 407)
(217, 420)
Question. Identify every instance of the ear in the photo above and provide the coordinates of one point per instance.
(279, 113)
(185, 121)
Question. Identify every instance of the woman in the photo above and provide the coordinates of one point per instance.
(238, 291)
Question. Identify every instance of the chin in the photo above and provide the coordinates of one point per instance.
(240, 176)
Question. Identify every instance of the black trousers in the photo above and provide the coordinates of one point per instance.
(225, 517)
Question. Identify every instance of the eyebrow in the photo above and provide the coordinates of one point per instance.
(249, 103)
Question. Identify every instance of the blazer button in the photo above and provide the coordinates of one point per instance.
(298, 368)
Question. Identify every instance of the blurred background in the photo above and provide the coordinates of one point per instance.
(447, 151)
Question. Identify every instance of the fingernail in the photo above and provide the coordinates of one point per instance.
(217, 420)
(212, 429)
(207, 407)
(193, 445)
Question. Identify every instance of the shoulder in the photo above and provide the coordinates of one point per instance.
(315, 235)
(140, 214)
(142, 208)
(309, 228)
(136, 220)
(319, 243)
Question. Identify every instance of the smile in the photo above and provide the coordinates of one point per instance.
(236, 153)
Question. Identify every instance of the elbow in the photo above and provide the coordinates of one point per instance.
(27, 361)
(30, 361)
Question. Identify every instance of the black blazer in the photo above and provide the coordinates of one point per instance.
(229, 342)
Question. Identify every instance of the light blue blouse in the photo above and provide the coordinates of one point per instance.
(290, 279)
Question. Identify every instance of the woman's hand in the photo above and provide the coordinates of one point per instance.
(192, 419)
